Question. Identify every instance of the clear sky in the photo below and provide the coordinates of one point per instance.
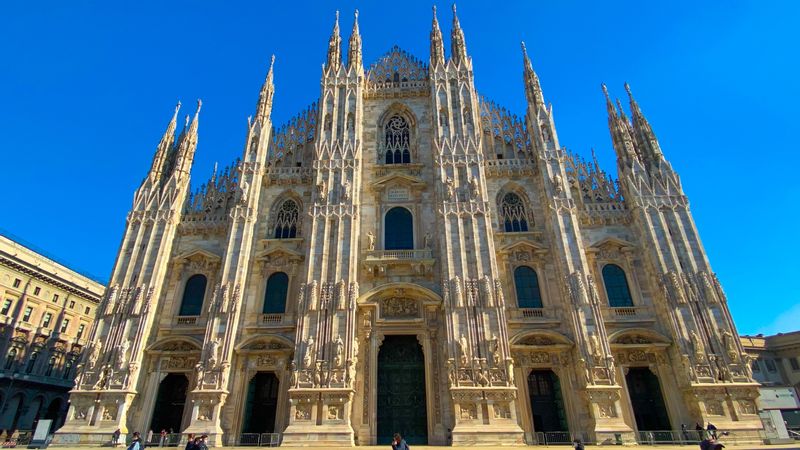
(87, 87)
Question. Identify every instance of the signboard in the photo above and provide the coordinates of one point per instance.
(40, 434)
(398, 194)
(778, 398)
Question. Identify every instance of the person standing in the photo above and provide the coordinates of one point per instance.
(712, 430)
(136, 444)
(399, 443)
(699, 429)
(115, 437)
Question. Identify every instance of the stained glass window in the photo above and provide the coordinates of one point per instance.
(286, 220)
(397, 136)
(512, 213)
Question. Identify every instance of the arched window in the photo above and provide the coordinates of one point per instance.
(67, 369)
(397, 137)
(193, 295)
(32, 362)
(11, 358)
(527, 284)
(286, 220)
(399, 230)
(275, 294)
(512, 213)
(619, 295)
(50, 365)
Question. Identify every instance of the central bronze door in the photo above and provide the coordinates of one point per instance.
(401, 391)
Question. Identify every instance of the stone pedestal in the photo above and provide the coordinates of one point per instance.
(729, 406)
(319, 417)
(486, 416)
(607, 423)
(205, 417)
(93, 417)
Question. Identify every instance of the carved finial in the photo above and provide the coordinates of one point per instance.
(434, 10)
(605, 90)
(271, 61)
(356, 14)
(337, 17)
(524, 49)
(177, 107)
(186, 122)
(628, 89)
(199, 105)
(454, 8)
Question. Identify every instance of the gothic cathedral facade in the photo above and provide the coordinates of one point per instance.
(406, 256)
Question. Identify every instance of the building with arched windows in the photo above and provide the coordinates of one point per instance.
(407, 256)
(47, 311)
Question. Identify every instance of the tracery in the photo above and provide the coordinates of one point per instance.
(513, 216)
(287, 220)
(396, 140)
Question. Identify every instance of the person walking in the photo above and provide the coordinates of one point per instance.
(399, 443)
(190, 445)
(699, 429)
(136, 444)
(200, 443)
(712, 430)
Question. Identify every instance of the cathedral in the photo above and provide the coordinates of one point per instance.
(407, 256)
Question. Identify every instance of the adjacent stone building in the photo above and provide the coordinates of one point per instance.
(406, 256)
(46, 314)
(776, 366)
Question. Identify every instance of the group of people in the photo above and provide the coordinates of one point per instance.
(193, 442)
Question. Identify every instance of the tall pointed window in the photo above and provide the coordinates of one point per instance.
(399, 225)
(193, 294)
(526, 283)
(513, 216)
(275, 294)
(619, 295)
(397, 136)
(286, 220)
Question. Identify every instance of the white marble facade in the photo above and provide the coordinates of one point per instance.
(511, 261)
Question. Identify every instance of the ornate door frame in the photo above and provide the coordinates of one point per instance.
(398, 309)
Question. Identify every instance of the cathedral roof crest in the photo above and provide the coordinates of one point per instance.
(397, 69)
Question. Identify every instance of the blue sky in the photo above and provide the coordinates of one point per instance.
(86, 89)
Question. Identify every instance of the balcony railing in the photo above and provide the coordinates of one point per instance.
(399, 254)
(628, 313)
(530, 314)
(271, 318)
(187, 320)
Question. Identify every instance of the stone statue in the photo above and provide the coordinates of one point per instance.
(371, 238)
(212, 350)
(321, 193)
(244, 188)
(345, 191)
(595, 346)
(97, 347)
(557, 184)
(293, 370)
(451, 189)
(307, 357)
(338, 351)
(463, 350)
(474, 188)
(494, 350)
(696, 345)
(122, 353)
(426, 241)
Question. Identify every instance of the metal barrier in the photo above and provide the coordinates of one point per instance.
(20, 438)
(654, 437)
(168, 440)
(256, 440)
